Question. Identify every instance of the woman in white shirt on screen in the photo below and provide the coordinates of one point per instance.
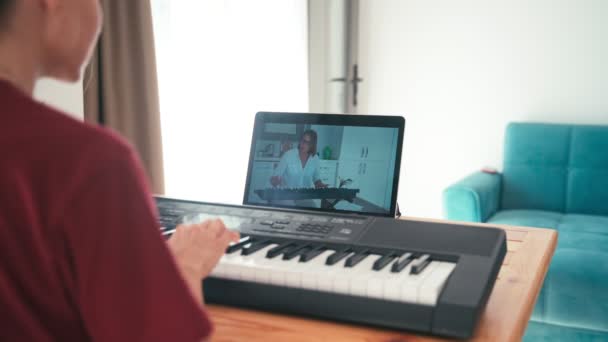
(299, 168)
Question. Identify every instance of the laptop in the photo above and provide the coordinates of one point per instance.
(332, 163)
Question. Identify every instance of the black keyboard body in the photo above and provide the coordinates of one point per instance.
(478, 253)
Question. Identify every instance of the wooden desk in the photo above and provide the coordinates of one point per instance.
(505, 319)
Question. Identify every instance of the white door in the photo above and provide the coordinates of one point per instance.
(350, 170)
(353, 147)
(374, 182)
(378, 144)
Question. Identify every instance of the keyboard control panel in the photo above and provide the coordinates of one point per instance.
(271, 221)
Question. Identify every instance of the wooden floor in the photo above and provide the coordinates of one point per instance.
(505, 318)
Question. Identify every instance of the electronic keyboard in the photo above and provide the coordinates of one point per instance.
(274, 194)
(426, 277)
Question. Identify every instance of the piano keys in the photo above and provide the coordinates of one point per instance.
(419, 276)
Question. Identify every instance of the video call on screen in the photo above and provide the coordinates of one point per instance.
(321, 166)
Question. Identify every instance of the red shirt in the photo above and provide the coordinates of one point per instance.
(81, 255)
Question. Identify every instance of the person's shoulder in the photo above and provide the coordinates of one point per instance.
(85, 138)
(73, 143)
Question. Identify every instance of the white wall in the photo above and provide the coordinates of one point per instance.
(67, 97)
(459, 71)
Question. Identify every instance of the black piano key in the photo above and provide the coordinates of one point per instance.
(383, 261)
(402, 262)
(233, 247)
(313, 253)
(337, 256)
(296, 252)
(279, 249)
(167, 232)
(256, 246)
(356, 258)
(420, 264)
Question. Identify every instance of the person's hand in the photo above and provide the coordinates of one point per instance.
(321, 185)
(276, 180)
(197, 248)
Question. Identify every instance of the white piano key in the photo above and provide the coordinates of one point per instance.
(231, 264)
(360, 275)
(284, 272)
(377, 280)
(432, 286)
(360, 280)
(313, 267)
(325, 276)
(282, 269)
(264, 271)
(385, 284)
(291, 273)
(341, 283)
(254, 262)
(410, 283)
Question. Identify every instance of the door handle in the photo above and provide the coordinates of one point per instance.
(366, 151)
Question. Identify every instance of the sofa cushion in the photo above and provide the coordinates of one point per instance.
(561, 168)
(575, 289)
(584, 223)
(588, 172)
(527, 218)
(544, 332)
(535, 166)
(575, 292)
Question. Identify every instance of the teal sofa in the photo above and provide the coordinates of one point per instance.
(554, 176)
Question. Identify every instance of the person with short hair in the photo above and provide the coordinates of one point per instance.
(81, 253)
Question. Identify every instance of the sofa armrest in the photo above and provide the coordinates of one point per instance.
(474, 198)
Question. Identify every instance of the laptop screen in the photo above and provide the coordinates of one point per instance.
(325, 162)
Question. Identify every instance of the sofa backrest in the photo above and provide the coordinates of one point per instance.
(553, 167)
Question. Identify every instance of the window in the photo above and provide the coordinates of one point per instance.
(220, 62)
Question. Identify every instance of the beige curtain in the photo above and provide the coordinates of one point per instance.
(121, 86)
